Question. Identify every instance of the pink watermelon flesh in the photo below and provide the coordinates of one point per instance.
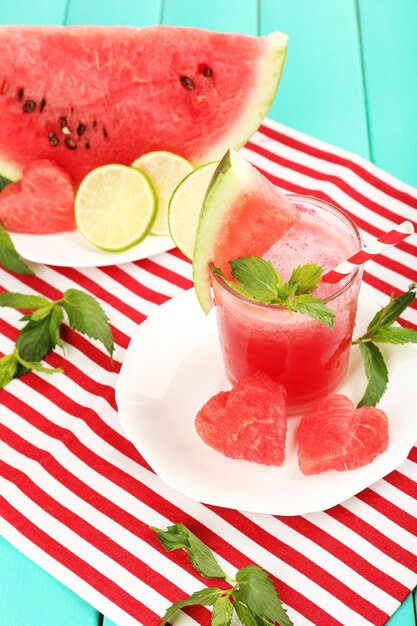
(86, 96)
(260, 215)
(335, 435)
(249, 422)
(41, 203)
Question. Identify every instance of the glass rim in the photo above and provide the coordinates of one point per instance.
(327, 206)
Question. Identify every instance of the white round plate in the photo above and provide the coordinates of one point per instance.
(70, 249)
(173, 366)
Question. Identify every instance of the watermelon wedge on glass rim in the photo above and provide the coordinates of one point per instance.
(242, 214)
(86, 96)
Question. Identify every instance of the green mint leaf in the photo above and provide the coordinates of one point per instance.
(179, 537)
(312, 306)
(43, 312)
(376, 373)
(38, 338)
(206, 597)
(86, 316)
(258, 277)
(56, 319)
(8, 367)
(22, 301)
(257, 592)
(245, 615)
(394, 308)
(394, 334)
(4, 182)
(222, 612)
(235, 286)
(305, 278)
(249, 618)
(10, 259)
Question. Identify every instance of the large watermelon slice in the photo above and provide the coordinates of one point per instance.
(86, 96)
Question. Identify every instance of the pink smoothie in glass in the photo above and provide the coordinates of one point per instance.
(304, 355)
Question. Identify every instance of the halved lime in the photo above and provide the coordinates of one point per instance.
(115, 207)
(185, 206)
(165, 171)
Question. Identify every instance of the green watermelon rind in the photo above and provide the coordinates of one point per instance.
(268, 78)
(232, 174)
(9, 171)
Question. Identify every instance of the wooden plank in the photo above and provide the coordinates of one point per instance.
(404, 616)
(33, 12)
(389, 48)
(232, 16)
(29, 596)
(321, 91)
(111, 12)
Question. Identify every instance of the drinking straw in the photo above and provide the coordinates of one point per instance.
(392, 238)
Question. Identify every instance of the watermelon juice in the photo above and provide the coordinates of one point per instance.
(302, 354)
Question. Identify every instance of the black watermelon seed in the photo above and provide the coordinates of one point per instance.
(29, 106)
(63, 122)
(4, 88)
(207, 71)
(53, 139)
(42, 105)
(87, 146)
(70, 143)
(104, 132)
(94, 123)
(81, 128)
(187, 83)
(20, 93)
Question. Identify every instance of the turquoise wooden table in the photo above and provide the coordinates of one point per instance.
(350, 79)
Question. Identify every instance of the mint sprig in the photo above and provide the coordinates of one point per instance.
(252, 594)
(205, 597)
(376, 372)
(179, 537)
(305, 278)
(381, 329)
(86, 316)
(10, 259)
(41, 333)
(314, 307)
(258, 279)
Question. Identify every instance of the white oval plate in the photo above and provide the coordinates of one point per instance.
(173, 366)
(70, 249)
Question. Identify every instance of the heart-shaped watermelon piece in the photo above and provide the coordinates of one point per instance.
(249, 422)
(336, 435)
(42, 202)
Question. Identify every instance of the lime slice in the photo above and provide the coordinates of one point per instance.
(185, 206)
(165, 171)
(115, 207)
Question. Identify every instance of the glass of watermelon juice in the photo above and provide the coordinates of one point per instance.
(302, 354)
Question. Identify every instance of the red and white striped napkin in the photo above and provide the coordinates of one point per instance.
(77, 498)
